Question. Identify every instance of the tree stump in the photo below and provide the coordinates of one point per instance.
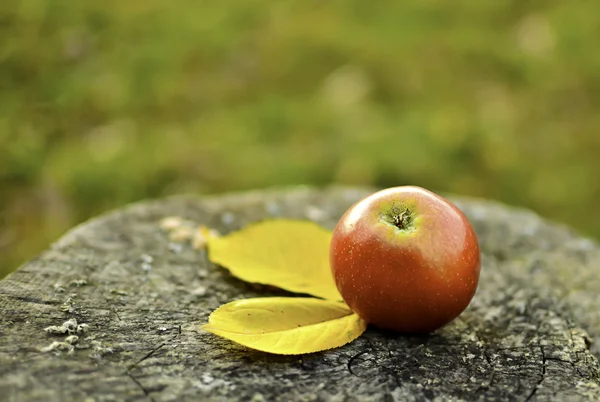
(532, 331)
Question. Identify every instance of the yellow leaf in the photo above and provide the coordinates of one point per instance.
(292, 255)
(286, 325)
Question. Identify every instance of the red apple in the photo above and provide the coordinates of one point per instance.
(405, 259)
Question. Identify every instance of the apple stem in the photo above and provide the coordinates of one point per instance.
(401, 222)
(399, 216)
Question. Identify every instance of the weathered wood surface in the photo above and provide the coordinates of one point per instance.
(532, 331)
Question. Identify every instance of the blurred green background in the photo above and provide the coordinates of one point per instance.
(107, 102)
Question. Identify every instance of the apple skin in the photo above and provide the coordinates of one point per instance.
(405, 259)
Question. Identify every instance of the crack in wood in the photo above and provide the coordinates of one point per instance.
(116, 313)
(147, 356)
(139, 384)
(541, 380)
(492, 375)
(34, 300)
(153, 351)
(351, 362)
